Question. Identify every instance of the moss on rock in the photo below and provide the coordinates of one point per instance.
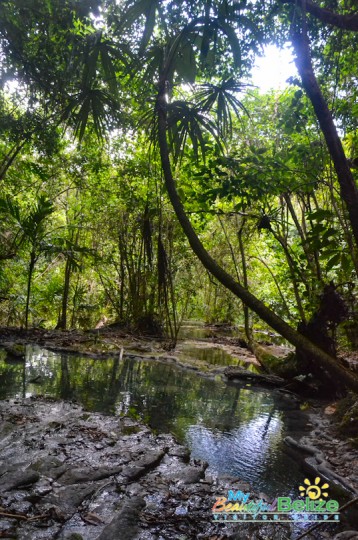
(283, 366)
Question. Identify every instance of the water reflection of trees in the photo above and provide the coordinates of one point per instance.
(242, 426)
(12, 379)
(167, 396)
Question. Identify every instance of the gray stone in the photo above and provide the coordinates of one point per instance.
(132, 473)
(188, 475)
(151, 459)
(17, 479)
(124, 525)
(69, 498)
(68, 489)
(77, 476)
(347, 535)
(140, 467)
(50, 466)
(183, 453)
(20, 507)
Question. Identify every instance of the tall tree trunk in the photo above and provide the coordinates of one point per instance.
(66, 289)
(121, 290)
(291, 265)
(348, 188)
(312, 261)
(28, 292)
(245, 281)
(345, 228)
(246, 311)
(293, 336)
(10, 158)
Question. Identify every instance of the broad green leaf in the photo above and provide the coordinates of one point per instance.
(185, 65)
(334, 261)
(235, 45)
(320, 214)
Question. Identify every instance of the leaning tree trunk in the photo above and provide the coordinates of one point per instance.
(293, 336)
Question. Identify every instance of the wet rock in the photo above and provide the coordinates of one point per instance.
(69, 498)
(18, 479)
(332, 457)
(124, 525)
(50, 466)
(181, 511)
(347, 535)
(47, 533)
(237, 372)
(188, 475)
(42, 490)
(20, 507)
(79, 481)
(180, 452)
(143, 465)
(133, 473)
(134, 489)
(151, 459)
(76, 476)
(6, 428)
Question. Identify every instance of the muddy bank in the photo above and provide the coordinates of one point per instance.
(95, 343)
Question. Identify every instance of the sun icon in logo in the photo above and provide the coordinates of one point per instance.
(313, 491)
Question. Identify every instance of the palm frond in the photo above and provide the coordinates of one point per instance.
(96, 103)
(222, 97)
(8, 207)
(186, 120)
(132, 12)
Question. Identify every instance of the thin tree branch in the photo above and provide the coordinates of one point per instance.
(346, 22)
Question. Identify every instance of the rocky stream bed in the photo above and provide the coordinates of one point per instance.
(71, 474)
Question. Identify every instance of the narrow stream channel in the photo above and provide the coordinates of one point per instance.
(237, 430)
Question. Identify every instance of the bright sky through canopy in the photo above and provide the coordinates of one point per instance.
(272, 70)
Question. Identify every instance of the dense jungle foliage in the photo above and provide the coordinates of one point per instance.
(130, 127)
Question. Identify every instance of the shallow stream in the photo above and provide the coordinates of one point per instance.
(237, 430)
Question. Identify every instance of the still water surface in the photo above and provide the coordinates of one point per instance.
(237, 430)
